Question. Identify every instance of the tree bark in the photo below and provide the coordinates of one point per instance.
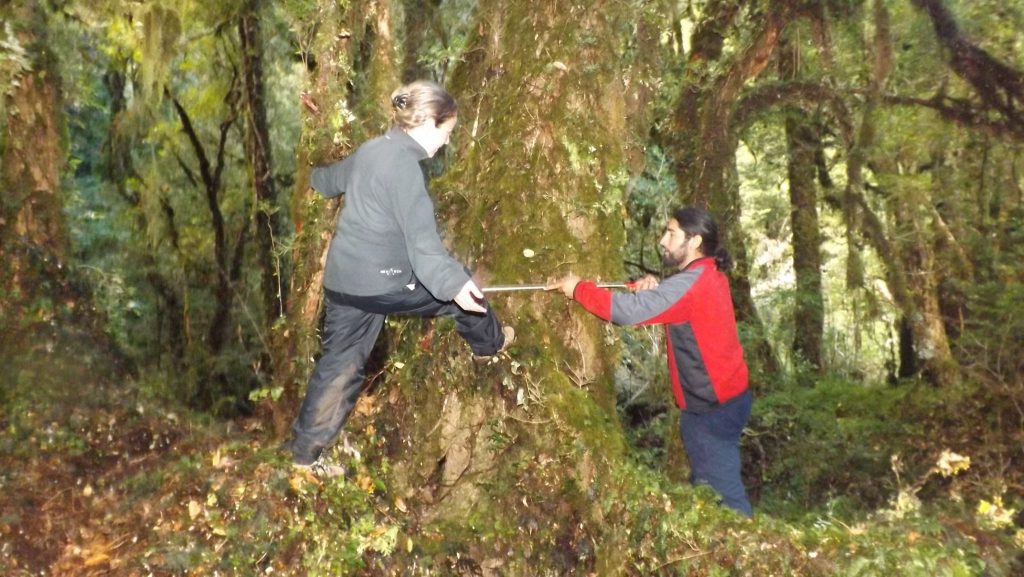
(803, 142)
(911, 210)
(258, 150)
(33, 233)
(420, 19)
(374, 59)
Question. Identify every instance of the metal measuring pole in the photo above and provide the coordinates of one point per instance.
(539, 287)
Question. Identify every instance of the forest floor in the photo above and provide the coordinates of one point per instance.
(96, 478)
(99, 477)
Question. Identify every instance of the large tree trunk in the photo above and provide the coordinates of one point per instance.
(33, 233)
(857, 150)
(913, 222)
(534, 190)
(374, 63)
(803, 142)
(910, 276)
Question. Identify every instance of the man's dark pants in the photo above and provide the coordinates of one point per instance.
(351, 326)
(712, 442)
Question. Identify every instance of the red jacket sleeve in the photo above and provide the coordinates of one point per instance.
(594, 299)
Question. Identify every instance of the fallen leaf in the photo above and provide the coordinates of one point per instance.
(97, 559)
(365, 483)
(300, 479)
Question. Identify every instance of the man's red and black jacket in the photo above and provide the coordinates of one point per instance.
(705, 358)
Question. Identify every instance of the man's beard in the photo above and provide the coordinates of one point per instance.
(669, 260)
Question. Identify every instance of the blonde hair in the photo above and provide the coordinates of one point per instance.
(421, 101)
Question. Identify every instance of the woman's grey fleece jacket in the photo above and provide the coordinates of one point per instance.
(386, 236)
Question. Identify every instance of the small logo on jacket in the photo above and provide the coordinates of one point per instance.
(390, 271)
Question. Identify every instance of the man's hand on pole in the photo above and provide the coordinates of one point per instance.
(646, 283)
(567, 285)
(469, 298)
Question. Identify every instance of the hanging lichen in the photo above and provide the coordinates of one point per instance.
(161, 29)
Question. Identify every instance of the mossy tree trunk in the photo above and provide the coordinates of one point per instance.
(911, 275)
(350, 77)
(536, 188)
(267, 226)
(33, 233)
(420, 18)
(912, 225)
(533, 190)
(905, 246)
(803, 142)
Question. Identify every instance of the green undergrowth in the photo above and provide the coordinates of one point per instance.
(844, 445)
(833, 441)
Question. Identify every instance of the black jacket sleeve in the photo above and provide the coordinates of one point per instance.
(332, 180)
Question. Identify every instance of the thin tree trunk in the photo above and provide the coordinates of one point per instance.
(211, 189)
(857, 150)
(420, 18)
(226, 260)
(258, 150)
(803, 143)
(955, 268)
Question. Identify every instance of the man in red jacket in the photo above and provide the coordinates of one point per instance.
(705, 359)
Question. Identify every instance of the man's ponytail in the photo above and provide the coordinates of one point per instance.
(723, 260)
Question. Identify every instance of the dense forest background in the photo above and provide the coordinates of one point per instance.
(161, 253)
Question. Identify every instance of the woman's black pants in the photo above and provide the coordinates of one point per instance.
(351, 327)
